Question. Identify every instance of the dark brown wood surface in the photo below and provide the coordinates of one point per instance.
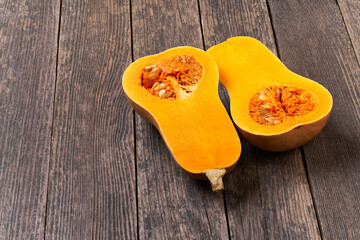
(76, 162)
(350, 11)
(92, 191)
(28, 46)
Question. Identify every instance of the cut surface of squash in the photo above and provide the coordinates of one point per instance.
(177, 91)
(273, 108)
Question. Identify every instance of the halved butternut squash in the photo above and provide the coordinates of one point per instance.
(177, 91)
(273, 108)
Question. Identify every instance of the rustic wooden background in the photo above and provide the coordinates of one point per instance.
(77, 163)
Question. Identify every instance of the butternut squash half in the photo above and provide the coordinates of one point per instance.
(177, 91)
(273, 108)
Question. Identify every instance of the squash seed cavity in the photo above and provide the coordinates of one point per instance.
(176, 78)
(273, 105)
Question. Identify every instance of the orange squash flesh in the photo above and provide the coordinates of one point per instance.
(194, 125)
(249, 70)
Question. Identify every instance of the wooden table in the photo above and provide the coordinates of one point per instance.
(77, 163)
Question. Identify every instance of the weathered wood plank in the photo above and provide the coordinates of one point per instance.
(313, 41)
(268, 196)
(92, 192)
(350, 10)
(28, 43)
(171, 204)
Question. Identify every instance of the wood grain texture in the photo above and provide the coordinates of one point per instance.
(350, 10)
(28, 43)
(313, 41)
(92, 191)
(171, 205)
(268, 196)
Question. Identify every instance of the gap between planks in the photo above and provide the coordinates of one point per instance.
(53, 119)
(134, 128)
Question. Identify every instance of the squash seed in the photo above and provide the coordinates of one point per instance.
(167, 95)
(161, 93)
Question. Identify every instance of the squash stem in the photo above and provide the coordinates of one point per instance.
(215, 177)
